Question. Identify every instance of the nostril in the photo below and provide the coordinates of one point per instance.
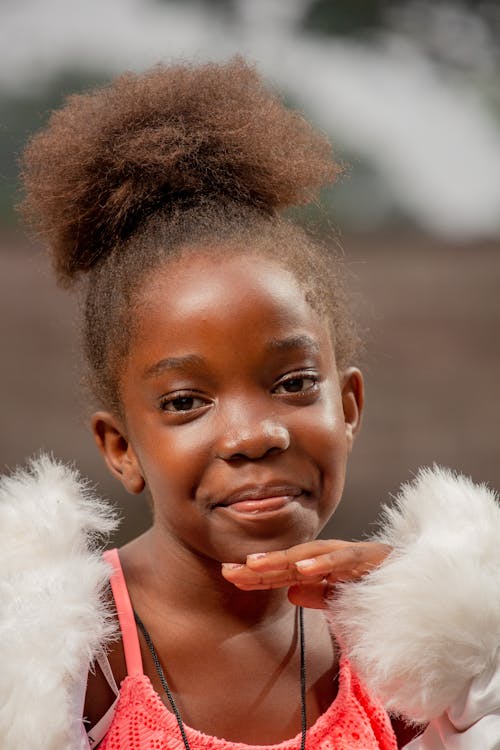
(277, 449)
(237, 457)
(265, 441)
(249, 456)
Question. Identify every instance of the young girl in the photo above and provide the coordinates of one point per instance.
(221, 351)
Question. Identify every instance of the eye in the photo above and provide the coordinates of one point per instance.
(296, 383)
(179, 403)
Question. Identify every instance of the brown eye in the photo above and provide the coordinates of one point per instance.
(178, 404)
(297, 384)
(294, 386)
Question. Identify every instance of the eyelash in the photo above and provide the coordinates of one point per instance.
(188, 396)
(300, 376)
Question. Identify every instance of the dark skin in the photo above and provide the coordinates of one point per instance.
(236, 419)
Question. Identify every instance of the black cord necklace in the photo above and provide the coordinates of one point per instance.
(173, 704)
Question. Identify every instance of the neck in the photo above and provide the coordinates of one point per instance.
(159, 572)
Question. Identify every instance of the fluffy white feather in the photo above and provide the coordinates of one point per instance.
(53, 619)
(423, 625)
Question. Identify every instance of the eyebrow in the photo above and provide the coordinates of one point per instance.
(193, 361)
(186, 362)
(301, 341)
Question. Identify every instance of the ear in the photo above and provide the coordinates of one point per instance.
(353, 399)
(117, 451)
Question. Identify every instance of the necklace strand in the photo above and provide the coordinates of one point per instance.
(303, 712)
(164, 683)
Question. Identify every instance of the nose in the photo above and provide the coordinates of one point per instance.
(250, 437)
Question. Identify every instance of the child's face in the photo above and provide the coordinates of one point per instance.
(235, 417)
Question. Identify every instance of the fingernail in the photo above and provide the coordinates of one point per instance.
(305, 563)
(256, 555)
(232, 566)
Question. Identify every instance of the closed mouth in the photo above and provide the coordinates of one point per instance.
(260, 499)
(260, 494)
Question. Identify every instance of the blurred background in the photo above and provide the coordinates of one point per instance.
(409, 93)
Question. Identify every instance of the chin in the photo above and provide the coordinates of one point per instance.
(299, 533)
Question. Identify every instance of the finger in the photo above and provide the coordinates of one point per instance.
(313, 596)
(285, 559)
(242, 576)
(262, 586)
(346, 563)
(276, 583)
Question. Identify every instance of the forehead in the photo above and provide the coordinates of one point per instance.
(204, 302)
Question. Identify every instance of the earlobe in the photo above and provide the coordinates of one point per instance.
(117, 451)
(352, 402)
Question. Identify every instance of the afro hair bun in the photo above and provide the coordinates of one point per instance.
(173, 136)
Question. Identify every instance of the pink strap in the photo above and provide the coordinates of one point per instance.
(125, 612)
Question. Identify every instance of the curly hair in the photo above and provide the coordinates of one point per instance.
(126, 176)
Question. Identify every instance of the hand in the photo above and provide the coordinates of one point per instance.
(308, 570)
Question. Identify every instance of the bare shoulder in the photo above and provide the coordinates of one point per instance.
(100, 696)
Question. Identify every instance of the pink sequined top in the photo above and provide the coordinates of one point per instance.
(354, 721)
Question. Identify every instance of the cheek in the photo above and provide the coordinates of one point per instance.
(323, 430)
(173, 459)
(322, 436)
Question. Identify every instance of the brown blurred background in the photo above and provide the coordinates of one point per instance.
(431, 365)
(412, 105)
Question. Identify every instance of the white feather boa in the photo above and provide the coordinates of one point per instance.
(53, 620)
(420, 630)
(425, 625)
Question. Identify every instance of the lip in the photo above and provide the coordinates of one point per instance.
(260, 493)
(262, 498)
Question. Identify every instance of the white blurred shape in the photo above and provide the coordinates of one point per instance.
(432, 140)
(450, 32)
